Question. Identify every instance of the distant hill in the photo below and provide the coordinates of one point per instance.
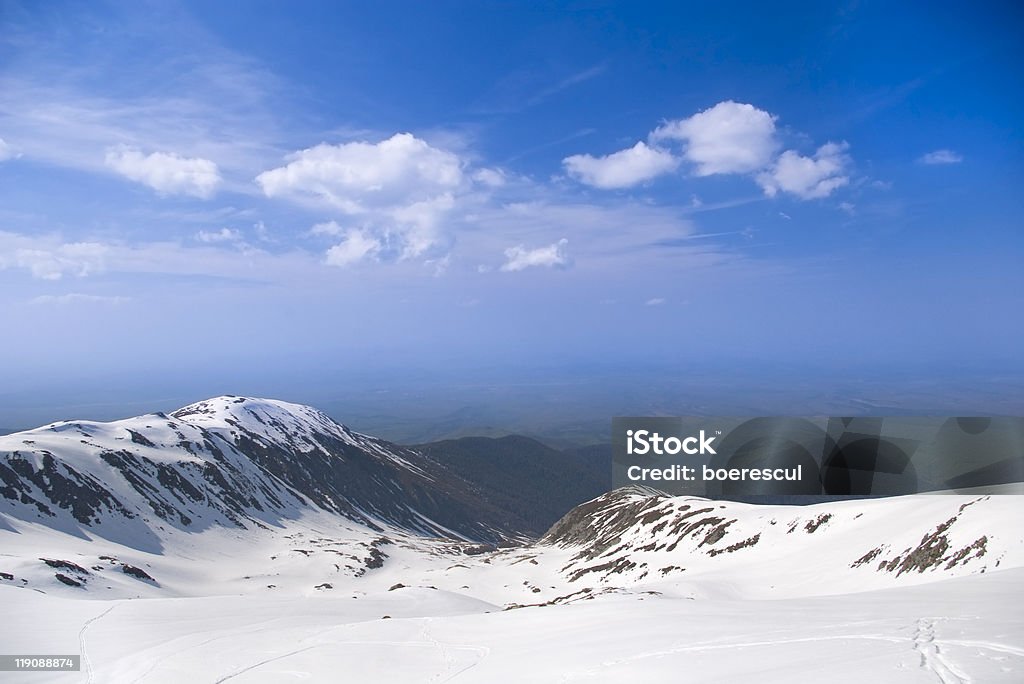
(533, 482)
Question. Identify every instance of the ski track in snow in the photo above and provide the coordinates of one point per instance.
(987, 645)
(90, 678)
(447, 674)
(674, 650)
(255, 629)
(446, 656)
(932, 657)
(449, 661)
(445, 649)
(261, 663)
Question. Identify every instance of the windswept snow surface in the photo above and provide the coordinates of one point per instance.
(959, 630)
(632, 586)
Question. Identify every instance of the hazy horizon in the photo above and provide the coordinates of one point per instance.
(562, 406)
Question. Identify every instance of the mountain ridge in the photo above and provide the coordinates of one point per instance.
(244, 461)
(296, 500)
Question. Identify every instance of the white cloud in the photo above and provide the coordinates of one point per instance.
(941, 157)
(418, 224)
(517, 258)
(404, 232)
(222, 235)
(168, 174)
(359, 176)
(492, 178)
(357, 246)
(439, 266)
(208, 103)
(49, 257)
(327, 228)
(49, 260)
(401, 189)
(807, 177)
(730, 137)
(621, 169)
(6, 151)
(603, 234)
(656, 301)
(78, 298)
(262, 234)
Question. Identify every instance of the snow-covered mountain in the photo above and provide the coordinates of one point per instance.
(233, 461)
(634, 535)
(284, 546)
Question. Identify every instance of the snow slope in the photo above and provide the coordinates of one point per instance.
(281, 574)
(304, 603)
(634, 536)
(960, 630)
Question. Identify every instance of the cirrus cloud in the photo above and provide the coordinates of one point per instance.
(76, 298)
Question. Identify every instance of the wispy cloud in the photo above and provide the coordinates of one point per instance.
(355, 247)
(941, 157)
(50, 259)
(206, 102)
(6, 151)
(327, 228)
(526, 87)
(222, 235)
(581, 133)
(519, 257)
(566, 83)
(75, 298)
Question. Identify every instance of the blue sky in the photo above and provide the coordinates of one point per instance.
(284, 197)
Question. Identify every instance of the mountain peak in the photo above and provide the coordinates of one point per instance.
(231, 461)
(271, 420)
